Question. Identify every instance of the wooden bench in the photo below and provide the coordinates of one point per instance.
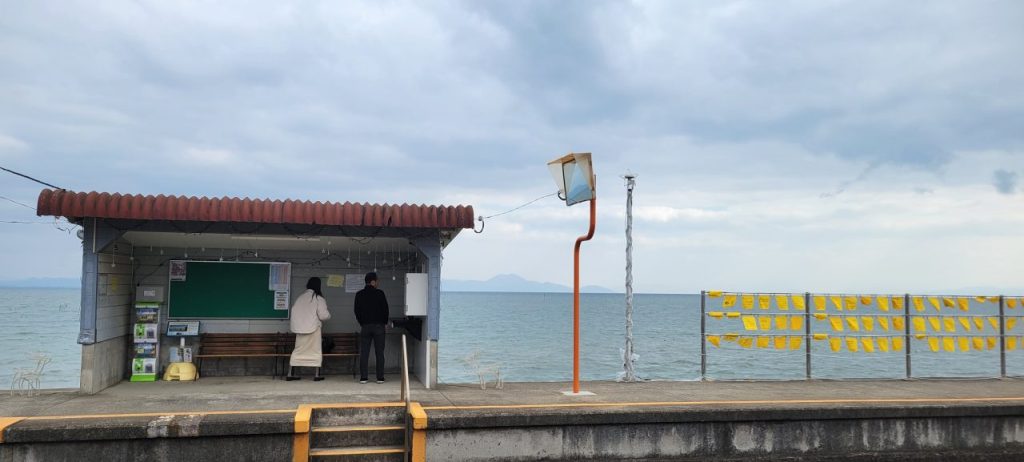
(271, 345)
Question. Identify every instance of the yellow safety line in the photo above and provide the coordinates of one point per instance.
(155, 414)
(419, 432)
(356, 452)
(726, 402)
(368, 428)
(7, 422)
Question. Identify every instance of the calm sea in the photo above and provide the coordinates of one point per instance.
(529, 337)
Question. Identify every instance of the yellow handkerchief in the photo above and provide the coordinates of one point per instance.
(865, 299)
(897, 344)
(965, 343)
(837, 324)
(869, 344)
(1011, 303)
(935, 303)
(765, 322)
(994, 321)
(837, 301)
(729, 301)
(782, 301)
(730, 337)
(780, 342)
(884, 322)
(749, 323)
(933, 343)
(980, 299)
(819, 302)
(714, 340)
(820, 316)
(964, 322)
(918, 323)
(950, 324)
(799, 303)
(990, 342)
(764, 301)
(868, 322)
(796, 322)
(979, 323)
(947, 302)
(1011, 343)
(897, 323)
(715, 314)
(746, 342)
(883, 303)
(963, 303)
(762, 342)
(935, 322)
(747, 301)
(835, 343)
(851, 302)
(851, 344)
(794, 342)
(883, 344)
(852, 322)
(714, 293)
(897, 302)
(948, 344)
(781, 322)
(1011, 323)
(820, 336)
(978, 343)
(918, 303)
(732, 315)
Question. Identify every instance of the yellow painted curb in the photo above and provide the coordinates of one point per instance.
(7, 422)
(728, 402)
(419, 416)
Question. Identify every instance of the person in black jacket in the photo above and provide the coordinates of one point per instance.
(371, 307)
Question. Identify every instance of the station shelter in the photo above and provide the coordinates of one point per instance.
(235, 265)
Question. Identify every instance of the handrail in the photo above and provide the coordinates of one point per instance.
(405, 395)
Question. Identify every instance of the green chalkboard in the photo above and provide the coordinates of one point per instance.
(224, 290)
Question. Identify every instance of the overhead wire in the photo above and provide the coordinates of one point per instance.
(482, 218)
(30, 178)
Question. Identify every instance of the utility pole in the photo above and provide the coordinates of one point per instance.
(627, 357)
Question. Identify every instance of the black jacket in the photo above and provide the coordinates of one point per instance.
(371, 306)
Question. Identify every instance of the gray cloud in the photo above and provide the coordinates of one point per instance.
(1005, 181)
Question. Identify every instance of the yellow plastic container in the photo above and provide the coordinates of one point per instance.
(185, 372)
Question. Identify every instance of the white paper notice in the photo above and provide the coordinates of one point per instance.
(281, 300)
(354, 283)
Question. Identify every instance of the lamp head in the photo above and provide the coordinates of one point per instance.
(574, 177)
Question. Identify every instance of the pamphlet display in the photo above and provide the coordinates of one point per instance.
(146, 336)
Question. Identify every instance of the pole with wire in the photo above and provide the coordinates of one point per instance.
(627, 356)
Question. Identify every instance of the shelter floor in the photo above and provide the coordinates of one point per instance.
(265, 393)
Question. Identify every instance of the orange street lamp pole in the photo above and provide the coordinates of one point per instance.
(576, 298)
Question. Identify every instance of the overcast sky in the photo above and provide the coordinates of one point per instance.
(786, 146)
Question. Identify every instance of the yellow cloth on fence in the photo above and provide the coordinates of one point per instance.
(993, 299)
(978, 343)
(749, 323)
(897, 323)
(918, 323)
(979, 323)
(918, 303)
(835, 343)
(819, 302)
(765, 322)
(746, 342)
(795, 342)
(837, 301)
(820, 316)
(868, 322)
(935, 322)
(994, 321)
(991, 342)
(799, 303)
(897, 344)
(948, 343)
(851, 344)
(714, 293)
(851, 302)
(949, 324)
(965, 343)
(852, 322)
(865, 299)
(897, 302)
(732, 315)
(884, 322)
(963, 303)
(764, 302)
(947, 302)
(747, 301)
(920, 336)
(980, 299)
(869, 344)
(883, 344)
(730, 337)
(837, 324)
(715, 314)
(714, 340)
(933, 343)
(796, 322)
(935, 303)
(883, 303)
(1012, 303)
(729, 301)
(965, 322)
(1011, 343)
(762, 342)
(781, 322)
(782, 301)
(780, 343)
(1011, 323)
(820, 336)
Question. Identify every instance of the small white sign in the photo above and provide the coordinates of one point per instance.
(354, 283)
(281, 300)
(178, 270)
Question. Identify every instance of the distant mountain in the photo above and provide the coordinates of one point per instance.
(513, 283)
(43, 283)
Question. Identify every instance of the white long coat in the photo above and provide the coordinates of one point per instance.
(308, 313)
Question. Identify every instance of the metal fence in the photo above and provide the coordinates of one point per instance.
(863, 323)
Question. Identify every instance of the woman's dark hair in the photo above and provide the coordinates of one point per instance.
(314, 285)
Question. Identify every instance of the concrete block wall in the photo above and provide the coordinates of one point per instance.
(104, 364)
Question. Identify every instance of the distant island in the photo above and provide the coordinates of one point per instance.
(514, 283)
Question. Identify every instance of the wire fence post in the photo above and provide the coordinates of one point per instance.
(807, 335)
(703, 340)
(906, 332)
(1002, 338)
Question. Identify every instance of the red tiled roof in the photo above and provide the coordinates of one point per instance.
(232, 209)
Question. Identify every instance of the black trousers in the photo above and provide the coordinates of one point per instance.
(371, 333)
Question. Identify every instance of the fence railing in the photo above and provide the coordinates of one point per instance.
(870, 323)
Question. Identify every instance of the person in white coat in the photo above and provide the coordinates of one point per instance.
(308, 313)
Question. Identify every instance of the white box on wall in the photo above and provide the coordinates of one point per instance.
(416, 294)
